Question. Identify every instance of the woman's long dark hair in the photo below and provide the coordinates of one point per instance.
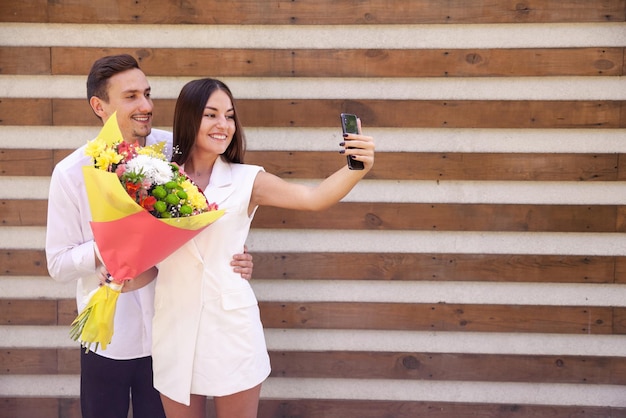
(188, 116)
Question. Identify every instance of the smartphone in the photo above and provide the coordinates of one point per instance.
(349, 126)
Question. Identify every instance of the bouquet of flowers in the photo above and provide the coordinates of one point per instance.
(143, 209)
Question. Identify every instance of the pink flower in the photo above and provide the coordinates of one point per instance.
(120, 170)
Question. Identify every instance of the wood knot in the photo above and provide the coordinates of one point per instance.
(410, 362)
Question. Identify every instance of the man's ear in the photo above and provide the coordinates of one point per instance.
(98, 109)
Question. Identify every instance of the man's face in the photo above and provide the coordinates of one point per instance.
(129, 95)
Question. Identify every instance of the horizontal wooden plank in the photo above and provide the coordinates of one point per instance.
(26, 407)
(388, 166)
(192, 62)
(387, 316)
(329, 408)
(379, 365)
(26, 61)
(31, 361)
(324, 12)
(620, 270)
(391, 266)
(446, 366)
(439, 317)
(40, 361)
(25, 112)
(401, 216)
(446, 217)
(32, 162)
(372, 62)
(522, 114)
(621, 164)
(28, 312)
(440, 267)
(23, 212)
(23, 263)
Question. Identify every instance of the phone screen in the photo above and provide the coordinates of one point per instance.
(348, 123)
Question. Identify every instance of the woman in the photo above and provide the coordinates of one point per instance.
(207, 335)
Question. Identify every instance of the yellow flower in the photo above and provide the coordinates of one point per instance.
(194, 197)
(106, 158)
(95, 148)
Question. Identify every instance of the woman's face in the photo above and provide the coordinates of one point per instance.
(217, 126)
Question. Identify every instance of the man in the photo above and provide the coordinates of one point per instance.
(110, 378)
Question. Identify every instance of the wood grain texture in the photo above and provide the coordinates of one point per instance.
(401, 216)
(493, 64)
(378, 365)
(30, 407)
(379, 316)
(193, 62)
(441, 317)
(23, 262)
(26, 61)
(396, 267)
(284, 113)
(389, 165)
(326, 12)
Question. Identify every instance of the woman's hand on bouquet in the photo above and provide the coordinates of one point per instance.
(138, 282)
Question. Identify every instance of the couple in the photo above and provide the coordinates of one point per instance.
(199, 322)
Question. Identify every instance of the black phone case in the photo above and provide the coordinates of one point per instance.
(352, 164)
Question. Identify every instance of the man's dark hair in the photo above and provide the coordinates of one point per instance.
(105, 68)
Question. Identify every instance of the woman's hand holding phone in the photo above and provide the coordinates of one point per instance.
(350, 125)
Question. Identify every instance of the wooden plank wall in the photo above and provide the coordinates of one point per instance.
(479, 270)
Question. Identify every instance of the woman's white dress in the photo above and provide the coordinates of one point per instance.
(207, 334)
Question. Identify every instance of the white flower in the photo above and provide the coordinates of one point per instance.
(154, 170)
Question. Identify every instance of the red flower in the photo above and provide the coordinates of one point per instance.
(129, 151)
(132, 189)
(148, 203)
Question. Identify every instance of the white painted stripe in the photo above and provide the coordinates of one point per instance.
(371, 389)
(266, 240)
(446, 342)
(549, 294)
(442, 391)
(452, 88)
(430, 36)
(55, 386)
(438, 242)
(495, 192)
(16, 336)
(25, 187)
(30, 287)
(391, 191)
(387, 139)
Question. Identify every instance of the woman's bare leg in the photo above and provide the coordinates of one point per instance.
(196, 408)
(243, 404)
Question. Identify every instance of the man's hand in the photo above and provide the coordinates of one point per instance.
(242, 263)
